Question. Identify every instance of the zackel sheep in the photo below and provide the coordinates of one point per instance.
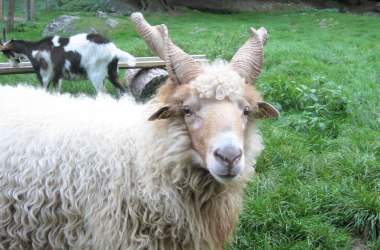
(83, 56)
(82, 173)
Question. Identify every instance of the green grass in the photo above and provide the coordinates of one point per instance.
(318, 180)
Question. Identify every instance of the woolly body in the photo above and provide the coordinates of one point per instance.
(88, 173)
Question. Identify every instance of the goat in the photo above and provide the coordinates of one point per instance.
(83, 56)
(168, 174)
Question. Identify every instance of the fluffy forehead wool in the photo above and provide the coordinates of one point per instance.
(219, 81)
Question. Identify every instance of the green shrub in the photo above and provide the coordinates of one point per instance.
(316, 104)
(86, 5)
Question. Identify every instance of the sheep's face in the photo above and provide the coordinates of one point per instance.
(216, 128)
(216, 102)
(217, 109)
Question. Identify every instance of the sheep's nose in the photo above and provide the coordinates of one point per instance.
(228, 155)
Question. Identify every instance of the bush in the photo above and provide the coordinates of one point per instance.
(86, 5)
(319, 104)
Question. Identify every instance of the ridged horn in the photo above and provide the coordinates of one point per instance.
(248, 60)
(152, 35)
(181, 67)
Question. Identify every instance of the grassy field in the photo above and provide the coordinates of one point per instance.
(318, 180)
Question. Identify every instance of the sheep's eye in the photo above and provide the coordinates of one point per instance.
(246, 110)
(186, 110)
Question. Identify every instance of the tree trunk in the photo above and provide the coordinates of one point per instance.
(143, 83)
(10, 19)
(59, 3)
(1, 11)
(33, 8)
(28, 10)
(47, 5)
(152, 5)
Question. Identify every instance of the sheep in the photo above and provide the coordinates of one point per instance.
(83, 56)
(113, 174)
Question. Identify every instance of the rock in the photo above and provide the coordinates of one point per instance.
(101, 14)
(112, 9)
(352, 2)
(60, 24)
(324, 23)
(201, 30)
(331, 5)
(111, 23)
(377, 7)
(92, 31)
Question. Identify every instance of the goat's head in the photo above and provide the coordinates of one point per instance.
(216, 102)
(9, 50)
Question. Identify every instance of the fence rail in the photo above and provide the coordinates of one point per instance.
(141, 62)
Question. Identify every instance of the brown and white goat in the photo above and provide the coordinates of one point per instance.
(83, 56)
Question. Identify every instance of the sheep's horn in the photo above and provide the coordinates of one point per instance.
(248, 60)
(152, 35)
(181, 67)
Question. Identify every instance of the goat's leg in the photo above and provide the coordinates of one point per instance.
(38, 73)
(97, 77)
(113, 76)
(39, 78)
(45, 82)
(57, 84)
(46, 77)
(98, 83)
(103, 88)
(116, 82)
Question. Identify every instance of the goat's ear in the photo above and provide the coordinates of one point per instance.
(5, 47)
(266, 110)
(163, 113)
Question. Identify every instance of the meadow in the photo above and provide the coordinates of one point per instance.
(318, 180)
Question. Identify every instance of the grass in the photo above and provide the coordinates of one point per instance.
(318, 180)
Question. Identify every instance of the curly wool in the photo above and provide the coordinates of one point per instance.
(87, 173)
(219, 81)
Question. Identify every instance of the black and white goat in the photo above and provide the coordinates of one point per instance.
(83, 56)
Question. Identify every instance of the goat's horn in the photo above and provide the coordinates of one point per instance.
(181, 67)
(248, 60)
(5, 36)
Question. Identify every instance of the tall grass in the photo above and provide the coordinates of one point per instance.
(318, 180)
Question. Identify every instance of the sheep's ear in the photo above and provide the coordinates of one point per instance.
(163, 113)
(266, 110)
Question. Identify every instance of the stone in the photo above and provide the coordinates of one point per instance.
(111, 23)
(60, 24)
(101, 14)
(201, 30)
(377, 7)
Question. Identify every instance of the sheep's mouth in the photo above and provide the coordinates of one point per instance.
(226, 176)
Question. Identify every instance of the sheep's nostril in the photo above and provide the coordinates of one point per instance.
(229, 155)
